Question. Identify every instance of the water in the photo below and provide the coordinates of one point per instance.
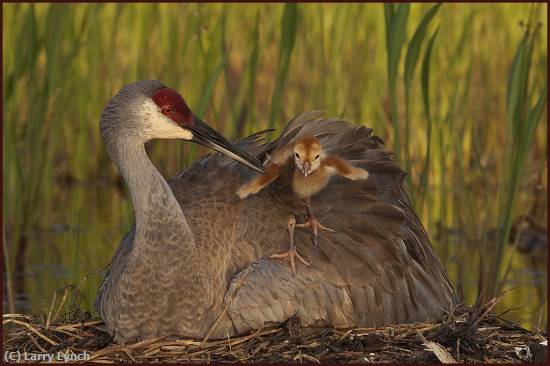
(80, 230)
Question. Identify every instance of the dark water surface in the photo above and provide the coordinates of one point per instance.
(84, 225)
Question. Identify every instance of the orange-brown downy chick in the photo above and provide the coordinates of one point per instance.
(313, 171)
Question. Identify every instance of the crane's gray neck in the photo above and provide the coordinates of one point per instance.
(160, 222)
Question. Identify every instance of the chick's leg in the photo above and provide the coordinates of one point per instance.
(313, 223)
(291, 253)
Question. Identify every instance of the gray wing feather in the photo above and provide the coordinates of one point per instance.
(271, 294)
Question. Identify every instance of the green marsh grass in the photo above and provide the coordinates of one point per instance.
(411, 60)
(288, 39)
(396, 17)
(525, 106)
(454, 89)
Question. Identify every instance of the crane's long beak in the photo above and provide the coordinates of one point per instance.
(207, 136)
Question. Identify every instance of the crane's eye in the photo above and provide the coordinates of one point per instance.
(316, 157)
(167, 110)
(297, 155)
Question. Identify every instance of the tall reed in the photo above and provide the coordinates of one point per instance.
(524, 111)
(395, 16)
(289, 24)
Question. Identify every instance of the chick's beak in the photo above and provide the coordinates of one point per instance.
(306, 167)
(207, 136)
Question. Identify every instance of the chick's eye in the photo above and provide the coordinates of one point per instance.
(316, 157)
(167, 110)
(296, 154)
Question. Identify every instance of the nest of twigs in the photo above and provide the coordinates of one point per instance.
(465, 335)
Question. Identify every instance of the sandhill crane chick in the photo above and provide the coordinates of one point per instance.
(313, 174)
(314, 169)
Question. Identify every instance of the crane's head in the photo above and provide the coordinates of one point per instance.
(149, 110)
(308, 154)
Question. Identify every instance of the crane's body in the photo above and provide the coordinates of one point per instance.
(196, 247)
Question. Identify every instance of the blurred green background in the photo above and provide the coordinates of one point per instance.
(457, 91)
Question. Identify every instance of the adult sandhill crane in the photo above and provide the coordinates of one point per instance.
(196, 248)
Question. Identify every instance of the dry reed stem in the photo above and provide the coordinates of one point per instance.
(32, 329)
(490, 305)
(232, 298)
(63, 300)
(36, 343)
(4, 316)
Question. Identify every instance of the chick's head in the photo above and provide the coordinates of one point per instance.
(308, 154)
